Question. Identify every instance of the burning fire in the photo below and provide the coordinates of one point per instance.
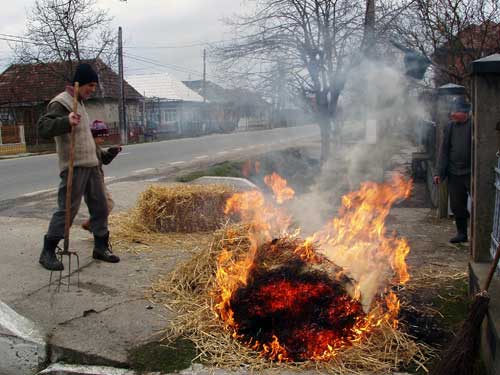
(294, 299)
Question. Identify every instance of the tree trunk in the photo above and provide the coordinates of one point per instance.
(325, 131)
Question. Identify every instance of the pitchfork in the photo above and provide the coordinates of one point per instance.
(67, 222)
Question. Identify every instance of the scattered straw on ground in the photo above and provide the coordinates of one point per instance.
(188, 292)
(129, 234)
(430, 280)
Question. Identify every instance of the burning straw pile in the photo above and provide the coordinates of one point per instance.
(260, 296)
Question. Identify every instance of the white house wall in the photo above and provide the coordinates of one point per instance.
(108, 112)
(104, 111)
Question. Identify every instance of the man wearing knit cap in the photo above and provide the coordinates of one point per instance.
(87, 179)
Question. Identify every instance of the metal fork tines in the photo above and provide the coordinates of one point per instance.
(61, 254)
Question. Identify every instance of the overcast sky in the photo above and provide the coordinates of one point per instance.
(185, 24)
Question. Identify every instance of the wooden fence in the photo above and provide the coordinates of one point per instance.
(495, 233)
(12, 140)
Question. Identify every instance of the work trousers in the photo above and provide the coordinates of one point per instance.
(87, 183)
(459, 188)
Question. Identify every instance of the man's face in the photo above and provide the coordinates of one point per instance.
(459, 116)
(87, 90)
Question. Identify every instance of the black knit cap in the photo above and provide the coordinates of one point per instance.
(84, 74)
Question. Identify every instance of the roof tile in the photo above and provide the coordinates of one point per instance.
(38, 83)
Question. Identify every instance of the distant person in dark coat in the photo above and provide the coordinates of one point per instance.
(454, 163)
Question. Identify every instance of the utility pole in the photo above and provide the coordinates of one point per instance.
(369, 30)
(121, 106)
(204, 75)
(369, 52)
(144, 111)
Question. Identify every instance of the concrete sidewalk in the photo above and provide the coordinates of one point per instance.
(108, 315)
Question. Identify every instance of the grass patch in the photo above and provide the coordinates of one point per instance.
(225, 169)
(453, 302)
(156, 356)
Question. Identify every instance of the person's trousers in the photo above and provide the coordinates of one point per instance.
(87, 183)
(458, 189)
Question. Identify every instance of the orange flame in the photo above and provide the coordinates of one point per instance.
(279, 186)
(356, 240)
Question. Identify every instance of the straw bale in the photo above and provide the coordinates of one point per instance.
(183, 208)
(190, 292)
(129, 234)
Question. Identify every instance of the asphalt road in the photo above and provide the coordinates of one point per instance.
(27, 176)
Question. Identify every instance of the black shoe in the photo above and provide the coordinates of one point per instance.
(459, 238)
(48, 258)
(102, 249)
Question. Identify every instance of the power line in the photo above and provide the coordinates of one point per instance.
(24, 39)
(168, 47)
(30, 41)
(188, 45)
(14, 36)
(163, 65)
(158, 63)
(21, 39)
(147, 59)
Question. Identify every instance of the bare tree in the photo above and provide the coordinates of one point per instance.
(451, 33)
(311, 39)
(315, 42)
(68, 31)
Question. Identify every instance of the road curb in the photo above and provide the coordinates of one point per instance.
(64, 369)
(22, 346)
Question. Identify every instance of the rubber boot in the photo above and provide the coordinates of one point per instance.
(48, 258)
(102, 249)
(461, 236)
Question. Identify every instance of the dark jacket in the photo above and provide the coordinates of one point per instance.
(55, 122)
(455, 151)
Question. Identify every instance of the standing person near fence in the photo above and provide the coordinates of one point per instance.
(454, 163)
(87, 177)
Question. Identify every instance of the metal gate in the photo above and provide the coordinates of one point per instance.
(495, 234)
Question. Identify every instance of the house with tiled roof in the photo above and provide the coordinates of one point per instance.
(26, 89)
(472, 43)
(231, 108)
(171, 108)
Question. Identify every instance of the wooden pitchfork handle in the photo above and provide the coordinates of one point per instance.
(69, 181)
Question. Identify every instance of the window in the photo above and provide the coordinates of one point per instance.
(169, 115)
(6, 116)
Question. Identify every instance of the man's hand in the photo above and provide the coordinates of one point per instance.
(115, 150)
(437, 180)
(74, 118)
